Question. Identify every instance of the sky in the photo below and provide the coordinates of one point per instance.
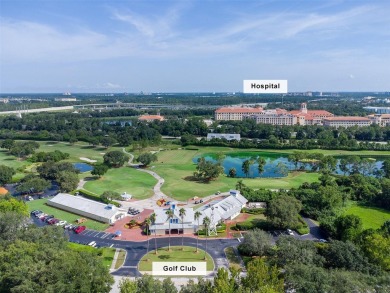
(80, 46)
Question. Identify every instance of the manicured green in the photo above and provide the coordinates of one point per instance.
(106, 253)
(176, 167)
(124, 179)
(175, 255)
(372, 217)
(77, 150)
(40, 204)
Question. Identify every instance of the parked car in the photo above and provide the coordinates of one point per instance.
(93, 243)
(53, 221)
(323, 241)
(290, 232)
(61, 223)
(41, 216)
(79, 229)
(47, 218)
(30, 198)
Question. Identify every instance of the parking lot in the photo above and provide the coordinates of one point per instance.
(97, 234)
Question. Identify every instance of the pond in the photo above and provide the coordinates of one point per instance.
(83, 167)
(277, 165)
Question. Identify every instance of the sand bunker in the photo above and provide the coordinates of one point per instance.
(88, 160)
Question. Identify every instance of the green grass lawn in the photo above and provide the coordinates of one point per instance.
(106, 253)
(372, 217)
(137, 183)
(120, 259)
(175, 255)
(40, 204)
(77, 150)
(175, 165)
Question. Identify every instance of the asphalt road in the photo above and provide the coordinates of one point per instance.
(136, 250)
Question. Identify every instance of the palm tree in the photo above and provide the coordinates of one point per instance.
(261, 163)
(246, 167)
(169, 214)
(182, 213)
(206, 225)
(197, 217)
(147, 222)
(153, 220)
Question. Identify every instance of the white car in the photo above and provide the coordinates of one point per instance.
(290, 232)
(93, 243)
(61, 223)
(30, 198)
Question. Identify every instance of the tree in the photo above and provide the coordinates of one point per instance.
(343, 165)
(99, 170)
(7, 144)
(246, 167)
(182, 214)
(107, 141)
(127, 286)
(283, 211)
(148, 222)
(223, 282)
(152, 218)
(348, 227)
(261, 163)
(386, 168)
(68, 181)
(108, 196)
(146, 158)
(232, 172)
(377, 248)
(207, 170)
(10, 204)
(34, 185)
(256, 243)
(197, 216)
(6, 174)
(206, 225)
(262, 278)
(23, 149)
(115, 159)
(169, 214)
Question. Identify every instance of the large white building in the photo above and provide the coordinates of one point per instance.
(347, 121)
(303, 116)
(235, 113)
(87, 208)
(217, 211)
(380, 119)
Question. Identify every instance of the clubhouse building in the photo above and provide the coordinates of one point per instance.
(217, 211)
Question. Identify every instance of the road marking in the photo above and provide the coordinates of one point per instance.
(111, 245)
(106, 235)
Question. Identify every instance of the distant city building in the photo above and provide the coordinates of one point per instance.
(65, 99)
(235, 113)
(378, 110)
(227, 136)
(4, 100)
(151, 118)
(347, 121)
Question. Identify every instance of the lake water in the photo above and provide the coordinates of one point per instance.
(272, 168)
(83, 167)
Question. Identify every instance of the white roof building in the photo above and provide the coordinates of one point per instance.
(227, 136)
(217, 211)
(85, 207)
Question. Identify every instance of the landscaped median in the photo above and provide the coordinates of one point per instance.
(175, 255)
(40, 204)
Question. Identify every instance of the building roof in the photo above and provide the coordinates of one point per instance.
(312, 113)
(79, 203)
(3, 191)
(239, 110)
(346, 118)
(151, 117)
